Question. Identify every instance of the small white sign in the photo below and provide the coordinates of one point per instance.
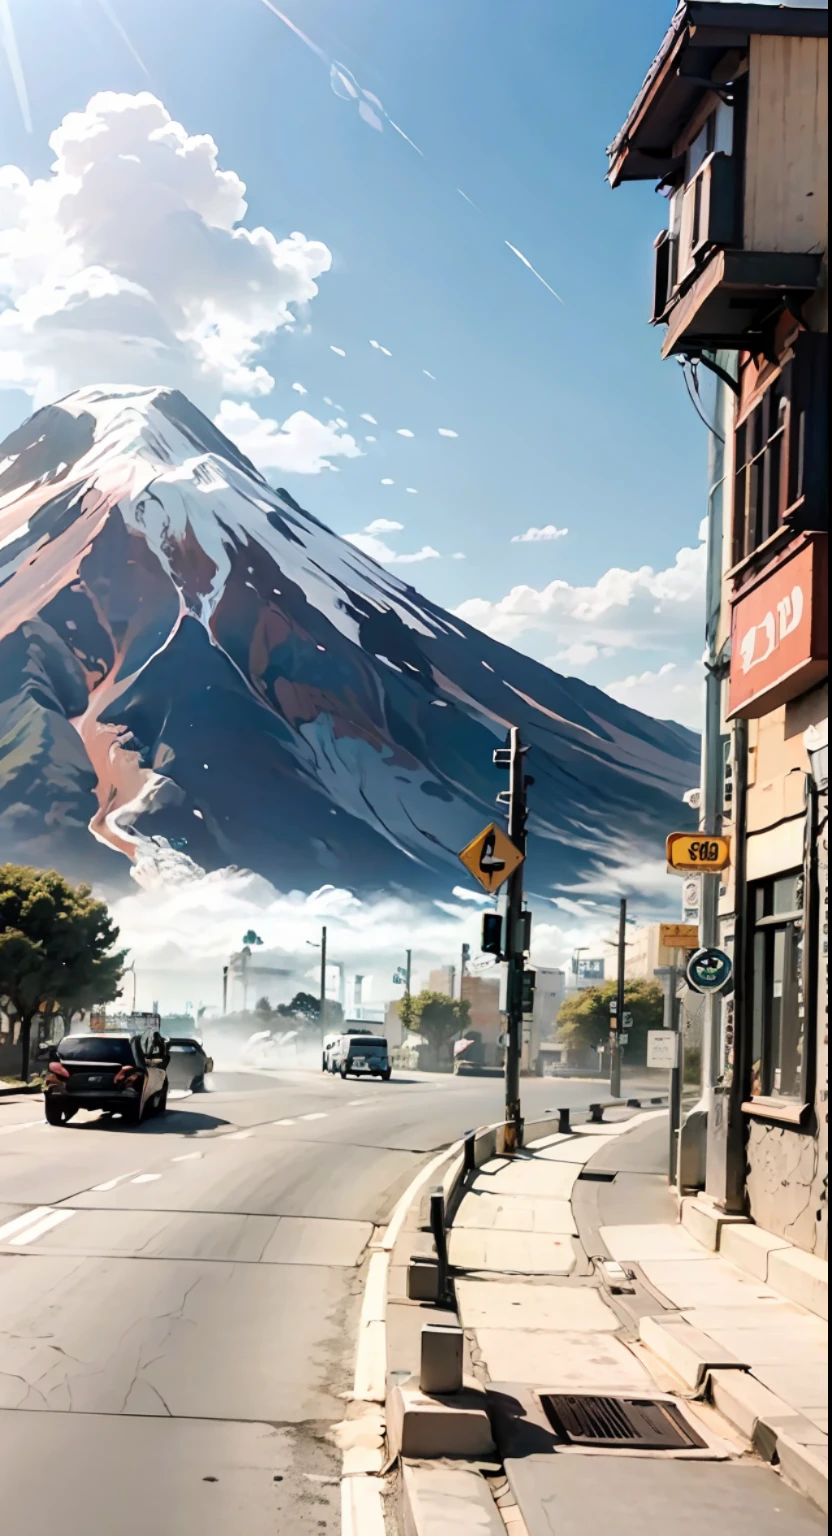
(662, 1048)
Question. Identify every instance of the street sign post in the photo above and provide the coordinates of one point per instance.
(491, 858)
(696, 853)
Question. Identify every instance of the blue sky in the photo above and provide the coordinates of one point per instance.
(564, 413)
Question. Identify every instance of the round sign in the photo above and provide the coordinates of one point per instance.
(709, 970)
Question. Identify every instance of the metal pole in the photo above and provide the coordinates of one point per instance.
(514, 945)
(675, 1105)
(615, 1057)
(323, 982)
(407, 974)
(224, 990)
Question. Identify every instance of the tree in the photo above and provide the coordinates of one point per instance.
(584, 1019)
(436, 1017)
(56, 948)
(264, 1007)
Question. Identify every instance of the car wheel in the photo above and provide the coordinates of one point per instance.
(134, 1114)
(54, 1112)
(385, 1076)
(197, 1085)
(343, 1071)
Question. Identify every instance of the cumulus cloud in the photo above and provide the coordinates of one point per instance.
(377, 347)
(302, 445)
(383, 525)
(388, 481)
(580, 654)
(540, 535)
(671, 693)
(300, 389)
(644, 609)
(371, 545)
(129, 262)
(339, 351)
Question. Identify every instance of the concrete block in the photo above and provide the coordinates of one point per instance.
(688, 1352)
(653, 1240)
(802, 1277)
(444, 1501)
(422, 1278)
(525, 1253)
(534, 1308)
(745, 1402)
(427, 1428)
(749, 1247)
(440, 1369)
(704, 1222)
(806, 1467)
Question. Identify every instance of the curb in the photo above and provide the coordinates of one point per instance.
(778, 1433)
(801, 1277)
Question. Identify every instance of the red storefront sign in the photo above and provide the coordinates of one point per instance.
(779, 641)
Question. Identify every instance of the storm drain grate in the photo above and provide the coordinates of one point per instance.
(640, 1423)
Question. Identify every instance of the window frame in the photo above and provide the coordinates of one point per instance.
(765, 1037)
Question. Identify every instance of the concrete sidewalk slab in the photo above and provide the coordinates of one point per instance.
(778, 1344)
(558, 1361)
(569, 1495)
(525, 1175)
(525, 1253)
(805, 1386)
(750, 1248)
(542, 1308)
(802, 1278)
(633, 1244)
(689, 1283)
(578, 1150)
(514, 1213)
(446, 1501)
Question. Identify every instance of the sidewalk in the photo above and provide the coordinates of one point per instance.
(543, 1315)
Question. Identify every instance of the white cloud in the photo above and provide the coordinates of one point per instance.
(339, 351)
(370, 439)
(644, 609)
(383, 525)
(404, 432)
(580, 654)
(365, 416)
(302, 445)
(388, 481)
(300, 389)
(129, 262)
(378, 550)
(429, 375)
(447, 432)
(379, 348)
(458, 556)
(411, 490)
(672, 693)
(540, 535)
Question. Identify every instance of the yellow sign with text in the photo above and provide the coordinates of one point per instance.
(679, 935)
(690, 853)
(491, 858)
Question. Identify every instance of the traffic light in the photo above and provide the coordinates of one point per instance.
(529, 979)
(466, 953)
(492, 933)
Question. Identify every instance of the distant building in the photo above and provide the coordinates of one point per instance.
(645, 953)
(550, 990)
(443, 979)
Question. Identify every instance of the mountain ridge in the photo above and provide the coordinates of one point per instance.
(146, 564)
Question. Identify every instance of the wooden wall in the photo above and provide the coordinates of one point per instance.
(786, 203)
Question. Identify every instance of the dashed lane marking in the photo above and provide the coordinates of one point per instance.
(186, 1157)
(239, 1135)
(320, 1115)
(113, 1183)
(146, 1178)
(32, 1233)
(283, 1122)
(27, 1219)
(22, 1125)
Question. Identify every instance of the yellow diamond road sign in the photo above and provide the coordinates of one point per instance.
(491, 858)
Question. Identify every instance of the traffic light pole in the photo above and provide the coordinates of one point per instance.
(514, 944)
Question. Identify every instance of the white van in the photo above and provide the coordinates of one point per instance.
(329, 1047)
(360, 1055)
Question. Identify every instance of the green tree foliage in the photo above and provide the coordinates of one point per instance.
(436, 1017)
(56, 947)
(584, 1019)
(307, 1008)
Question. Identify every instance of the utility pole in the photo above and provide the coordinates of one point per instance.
(465, 955)
(516, 933)
(323, 982)
(224, 990)
(409, 956)
(615, 1058)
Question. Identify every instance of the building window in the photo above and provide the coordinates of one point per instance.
(759, 488)
(778, 1049)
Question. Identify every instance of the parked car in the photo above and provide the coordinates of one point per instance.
(189, 1063)
(360, 1056)
(123, 1073)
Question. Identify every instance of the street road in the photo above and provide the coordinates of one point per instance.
(179, 1301)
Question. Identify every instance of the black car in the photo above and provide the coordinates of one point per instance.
(122, 1073)
(189, 1064)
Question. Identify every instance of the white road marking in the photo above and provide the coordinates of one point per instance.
(26, 1220)
(22, 1125)
(32, 1234)
(186, 1157)
(239, 1135)
(283, 1122)
(146, 1178)
(359, 1103)
(319, 1116)
(112, 1183)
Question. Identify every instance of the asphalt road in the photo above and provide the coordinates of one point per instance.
(179, 1301)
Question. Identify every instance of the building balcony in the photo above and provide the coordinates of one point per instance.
(710, 292)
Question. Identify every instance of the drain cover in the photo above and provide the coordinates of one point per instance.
(635, 1423)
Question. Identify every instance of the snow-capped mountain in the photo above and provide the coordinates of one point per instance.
(193, 668)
